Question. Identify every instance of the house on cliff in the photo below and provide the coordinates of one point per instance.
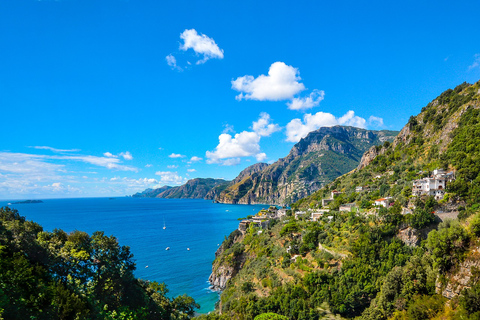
(434, 185)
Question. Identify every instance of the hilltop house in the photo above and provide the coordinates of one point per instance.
(361, 188)
(299, 214)
(434, 185)
(318, 214)
(326, 202)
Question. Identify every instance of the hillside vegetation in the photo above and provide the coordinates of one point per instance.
(371, 262)
(55, 275)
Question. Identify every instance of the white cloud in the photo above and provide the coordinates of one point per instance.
(263, 127)
(172, 166)
(107, 162)
(281, 83)
(476, 62)
(195, 159)
(126, 155)
(313, 100)
(241, 145)
(191, 170)
(176, 155)
(350, 119)
(376, 122)
(148, 165)
(54, 149)
(244, 144)
(169, 177)
(297, 129)
(230, 162)
(201, 44)
(261, 156)
(172, 62)
(228, 128)
(109, 155)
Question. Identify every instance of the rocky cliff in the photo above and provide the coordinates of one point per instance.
(315, 160)
(198, 188)
(229, 259)
(151, 193)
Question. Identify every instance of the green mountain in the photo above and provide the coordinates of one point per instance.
(151, 193)
(315, 160)
(199, 188)
(398, 261)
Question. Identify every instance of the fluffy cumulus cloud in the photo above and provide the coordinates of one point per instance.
(195, 159)
(126, 155)
(281, 83)
(176, 156)
(169, 177)
(298, 128)
(191, 170)
(203, 45)
(261, 156)
(244, 144)
(263, 127)
(172, 166)
(312, 100)
(350, 119)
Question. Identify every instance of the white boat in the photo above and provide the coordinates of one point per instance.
(164, 227)
(188, 249)
(167, 248)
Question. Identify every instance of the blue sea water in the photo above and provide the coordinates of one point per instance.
(199, 225)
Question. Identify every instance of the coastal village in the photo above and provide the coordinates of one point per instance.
(433, 185)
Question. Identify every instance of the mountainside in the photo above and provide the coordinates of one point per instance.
(317, 159)
(151, 193)
(363, 257)
(194, 189)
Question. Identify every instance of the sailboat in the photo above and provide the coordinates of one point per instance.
(164, 227)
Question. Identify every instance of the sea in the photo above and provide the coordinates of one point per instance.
(194, 229)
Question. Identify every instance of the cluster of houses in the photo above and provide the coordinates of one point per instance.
(262, 219)
(430, 186)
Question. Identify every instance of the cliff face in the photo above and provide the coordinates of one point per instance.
(229, 259)
(151, 193)
(193, 189)
(314, 161)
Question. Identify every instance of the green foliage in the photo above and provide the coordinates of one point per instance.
(289, 228)
(475, 225)
(470, 301)
(426, 307)
(270, 316)
(55, 275)
(447, 245)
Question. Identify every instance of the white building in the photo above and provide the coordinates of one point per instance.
(433, 186)
(384, 202)
(315, 216)
(299, 214)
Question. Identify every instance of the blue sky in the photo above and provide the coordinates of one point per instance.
(107, 98)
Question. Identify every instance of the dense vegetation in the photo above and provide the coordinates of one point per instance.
(353, 264)
(55, 275)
